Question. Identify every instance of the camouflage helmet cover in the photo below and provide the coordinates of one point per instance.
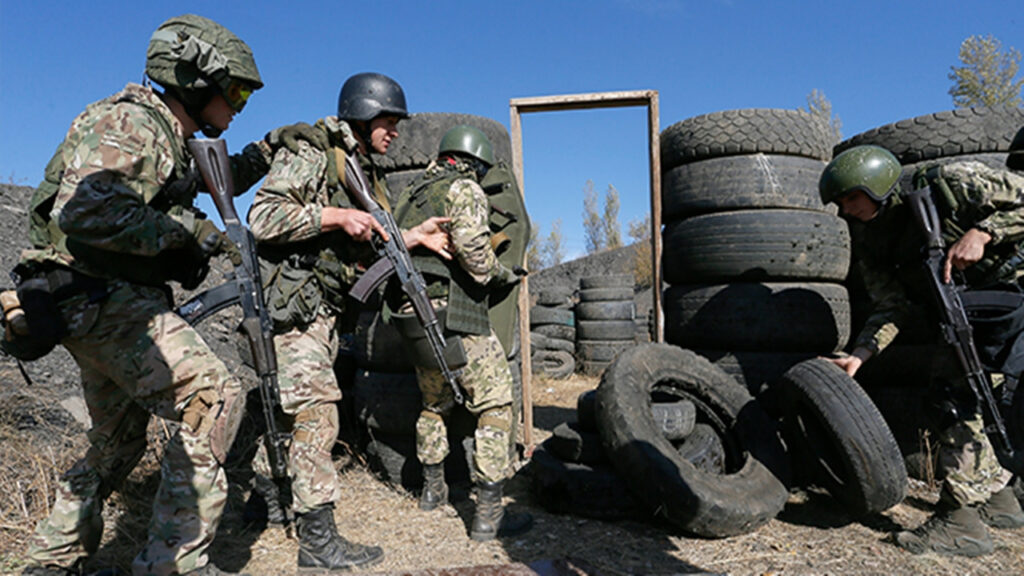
(870, 169)
(186, 53)
(365, 96)
(468, 140)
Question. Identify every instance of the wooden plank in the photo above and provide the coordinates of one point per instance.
(582, 101)
(525, 367)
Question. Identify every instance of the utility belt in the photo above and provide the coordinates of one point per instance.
(33, 323)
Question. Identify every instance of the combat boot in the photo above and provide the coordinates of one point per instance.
(490, 519)
(320, 546)
(1002, 510)
(959, 532)
(435, 491)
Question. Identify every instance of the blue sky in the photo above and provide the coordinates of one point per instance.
(877, 61)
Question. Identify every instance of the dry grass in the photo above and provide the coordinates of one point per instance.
(813, 535)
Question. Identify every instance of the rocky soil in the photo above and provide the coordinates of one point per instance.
(42, 432)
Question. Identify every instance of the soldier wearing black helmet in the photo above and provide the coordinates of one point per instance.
(111, 224)
(982, 213)
(311, 239)
(459, 290)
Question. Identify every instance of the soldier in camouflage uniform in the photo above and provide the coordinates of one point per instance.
(311, 240)
(111, 224)
(982, 211)
(450, 188)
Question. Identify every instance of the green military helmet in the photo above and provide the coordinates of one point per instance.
(870, 169)
(1015, 159)
(468, 140)
(191, 55)
(365, 96)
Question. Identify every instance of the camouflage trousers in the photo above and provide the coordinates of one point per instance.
(137, 359)
(965, 454)
(309, 392)
(487, 386)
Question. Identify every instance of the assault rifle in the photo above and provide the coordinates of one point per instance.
(956, 330)
(395, 260)
(244, 289)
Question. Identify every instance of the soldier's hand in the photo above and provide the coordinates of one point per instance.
(290, 135)
(358, 224)
(432, 234)
(969, 249)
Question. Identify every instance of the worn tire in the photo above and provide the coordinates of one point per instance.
(747, 131)
(749, 316)
(592, 367)
(607, 281)
(601, 350)
(606, 310)
(420, 133)
(544, 315)
(753, 489)
(704, 449)
(387, 402)
(586, 411)
(839, 439)
(947, 133)
(539, 341)
(570, 443)
(758, 372)
(556, 364)
(605, 294)
(554, 297)
(590, 491)
(756, 246)
(741, 182)
(555, 331)
(617, 330)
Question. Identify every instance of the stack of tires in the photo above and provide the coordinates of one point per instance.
(753, 260)
(897, 379)
(552, 333)
(605, 320)
(755, 266)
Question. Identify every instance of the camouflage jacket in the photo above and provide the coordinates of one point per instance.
(285, 219)
(451, 190)
(887, 249)
(120, 157)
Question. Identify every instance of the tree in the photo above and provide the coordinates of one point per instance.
(534, 262)
(552, 251)
(640, 233)
(593, 230)
(610, 222)
(819, 105)
(987, 75)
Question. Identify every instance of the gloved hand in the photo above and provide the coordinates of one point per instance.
(188, 265)
(214, 242)
(289, 136)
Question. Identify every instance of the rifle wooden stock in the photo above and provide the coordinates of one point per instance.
(214, 165)
(955, 326)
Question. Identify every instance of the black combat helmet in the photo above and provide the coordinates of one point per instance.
(367, 95)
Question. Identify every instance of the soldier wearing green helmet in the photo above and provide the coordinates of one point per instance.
(111, 225)
(313, 240)
(459, 290)
(982, 213)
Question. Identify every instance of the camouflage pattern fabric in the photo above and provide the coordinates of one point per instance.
(139, 358)
(487, 382)
(486, 379)
(888, 251)
(309, 390)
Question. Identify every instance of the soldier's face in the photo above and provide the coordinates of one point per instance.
(383, 129)
(858, 205)
(218, 113)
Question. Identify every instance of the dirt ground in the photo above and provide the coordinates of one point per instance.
(813, 535)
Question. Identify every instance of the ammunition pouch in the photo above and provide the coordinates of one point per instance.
(39, 293)
(418, 346)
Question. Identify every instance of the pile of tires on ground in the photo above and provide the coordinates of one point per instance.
(755, 266)
(552, 333)
(897, 379)
(605, 320)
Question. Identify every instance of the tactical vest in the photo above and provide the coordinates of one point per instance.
(300, 277)
(467, 300)
(174, 198)
(956, 194)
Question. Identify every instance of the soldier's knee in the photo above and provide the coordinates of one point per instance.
(498, 418)
(215, 416)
